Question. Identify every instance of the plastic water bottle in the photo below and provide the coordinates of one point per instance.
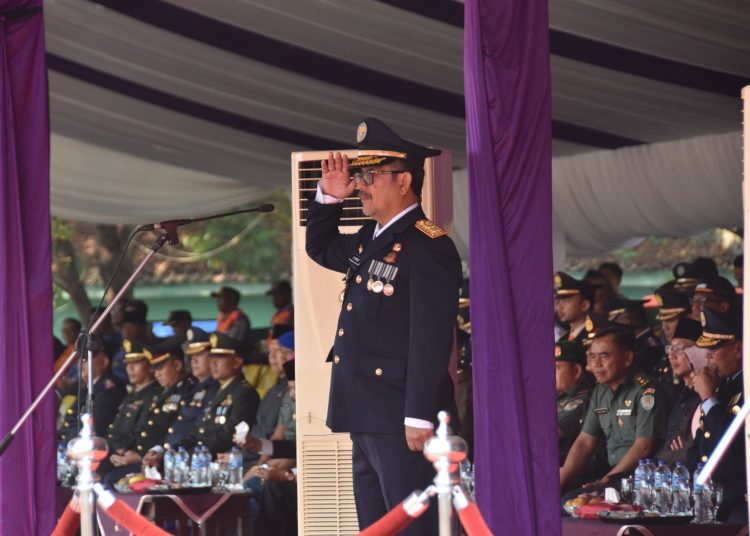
(181, 467)
(680, 489)
(169, 465)
(204, 459)
(647, 486)
(235, 468)
(638, 477)
(195, 467)
(62, 462)
(663, 488)
(701, 497)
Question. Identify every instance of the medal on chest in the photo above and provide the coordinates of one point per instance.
(381, 274)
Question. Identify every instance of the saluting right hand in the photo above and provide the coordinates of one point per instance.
(336, 176)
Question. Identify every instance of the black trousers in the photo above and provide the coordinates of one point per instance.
(278, 509)
(385, 473)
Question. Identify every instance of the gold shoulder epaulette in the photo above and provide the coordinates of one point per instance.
(642, 380)
(430, 229)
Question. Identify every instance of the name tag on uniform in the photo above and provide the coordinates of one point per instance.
(601, 411)
(624, 412)
(354, 261)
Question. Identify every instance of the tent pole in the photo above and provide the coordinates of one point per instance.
(746, 266)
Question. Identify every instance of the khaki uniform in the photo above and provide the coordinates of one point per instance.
(636, 408)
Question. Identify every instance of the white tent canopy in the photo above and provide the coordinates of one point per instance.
(181, 108)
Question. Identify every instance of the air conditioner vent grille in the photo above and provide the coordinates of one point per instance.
(308, 175)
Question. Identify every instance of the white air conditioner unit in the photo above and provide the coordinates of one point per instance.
(325, 497)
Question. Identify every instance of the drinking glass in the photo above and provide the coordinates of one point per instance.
(626, 490)
(718, 496)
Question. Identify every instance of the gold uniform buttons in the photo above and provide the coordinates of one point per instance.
(349, 306)
(341, 332)
(707, 434)
(201, 431)
(378, 371)
(170, 430)
(358, 279)
(156, 411)
(128, 414)
(140, 447)
(704, 459)
(336, 359)
(150, 423)
(143, 434)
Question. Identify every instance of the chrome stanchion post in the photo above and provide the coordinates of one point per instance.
(446, 452)
(87, 450)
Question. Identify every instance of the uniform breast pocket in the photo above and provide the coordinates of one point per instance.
(387, 368)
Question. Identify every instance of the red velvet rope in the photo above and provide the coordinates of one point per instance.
(391, 523)
(124, 515)
(473, 522)
(69, 522)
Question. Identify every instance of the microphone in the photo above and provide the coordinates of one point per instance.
(170, 226)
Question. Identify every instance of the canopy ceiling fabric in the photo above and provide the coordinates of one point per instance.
(225, 90)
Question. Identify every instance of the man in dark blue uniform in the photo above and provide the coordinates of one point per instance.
(395, 332)
(721, 390)
(574, 301)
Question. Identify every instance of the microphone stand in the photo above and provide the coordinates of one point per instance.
(170, 234)
(5, 443)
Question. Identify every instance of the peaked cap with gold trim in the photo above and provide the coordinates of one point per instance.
(572, 351)
(566, 285)
(223, 345)
(197, 341)
(720, 329)
(671, 303)
(163, 351)
(377, 145)
(134, 351)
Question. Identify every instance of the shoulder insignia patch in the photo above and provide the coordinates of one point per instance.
(734, 399)
(430, 229)
(573, 405)
(647, 402)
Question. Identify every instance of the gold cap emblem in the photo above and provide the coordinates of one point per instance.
(558, 281)
(127, 346)
(659, 301)
(558, 350)
(190, 335)
(361, 132)
(214, 340)
(703, 319)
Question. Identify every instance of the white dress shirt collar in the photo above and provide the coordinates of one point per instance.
(379, 229)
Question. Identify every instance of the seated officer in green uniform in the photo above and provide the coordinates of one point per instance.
(572, 392)
(235, 401)
(626, 409)
(720, 388)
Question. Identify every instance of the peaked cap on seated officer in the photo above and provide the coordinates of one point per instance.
(224, 346)
(672, 303)
(166, 349)
(134, 351)
(197, 341)
(566, 285)
(720, 329)
(571, 351)
(378, 145)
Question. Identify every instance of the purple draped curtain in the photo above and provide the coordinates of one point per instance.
(27, 469)
(507, 87)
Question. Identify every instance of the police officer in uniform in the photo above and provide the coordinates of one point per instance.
(108, 392)
(142, 391)
(673, 306)
(234, 402)
(649, 350)
(627, 409)
(167, 364)
(195, 401)
(721, 390)
(395, 331)
(574, 300)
